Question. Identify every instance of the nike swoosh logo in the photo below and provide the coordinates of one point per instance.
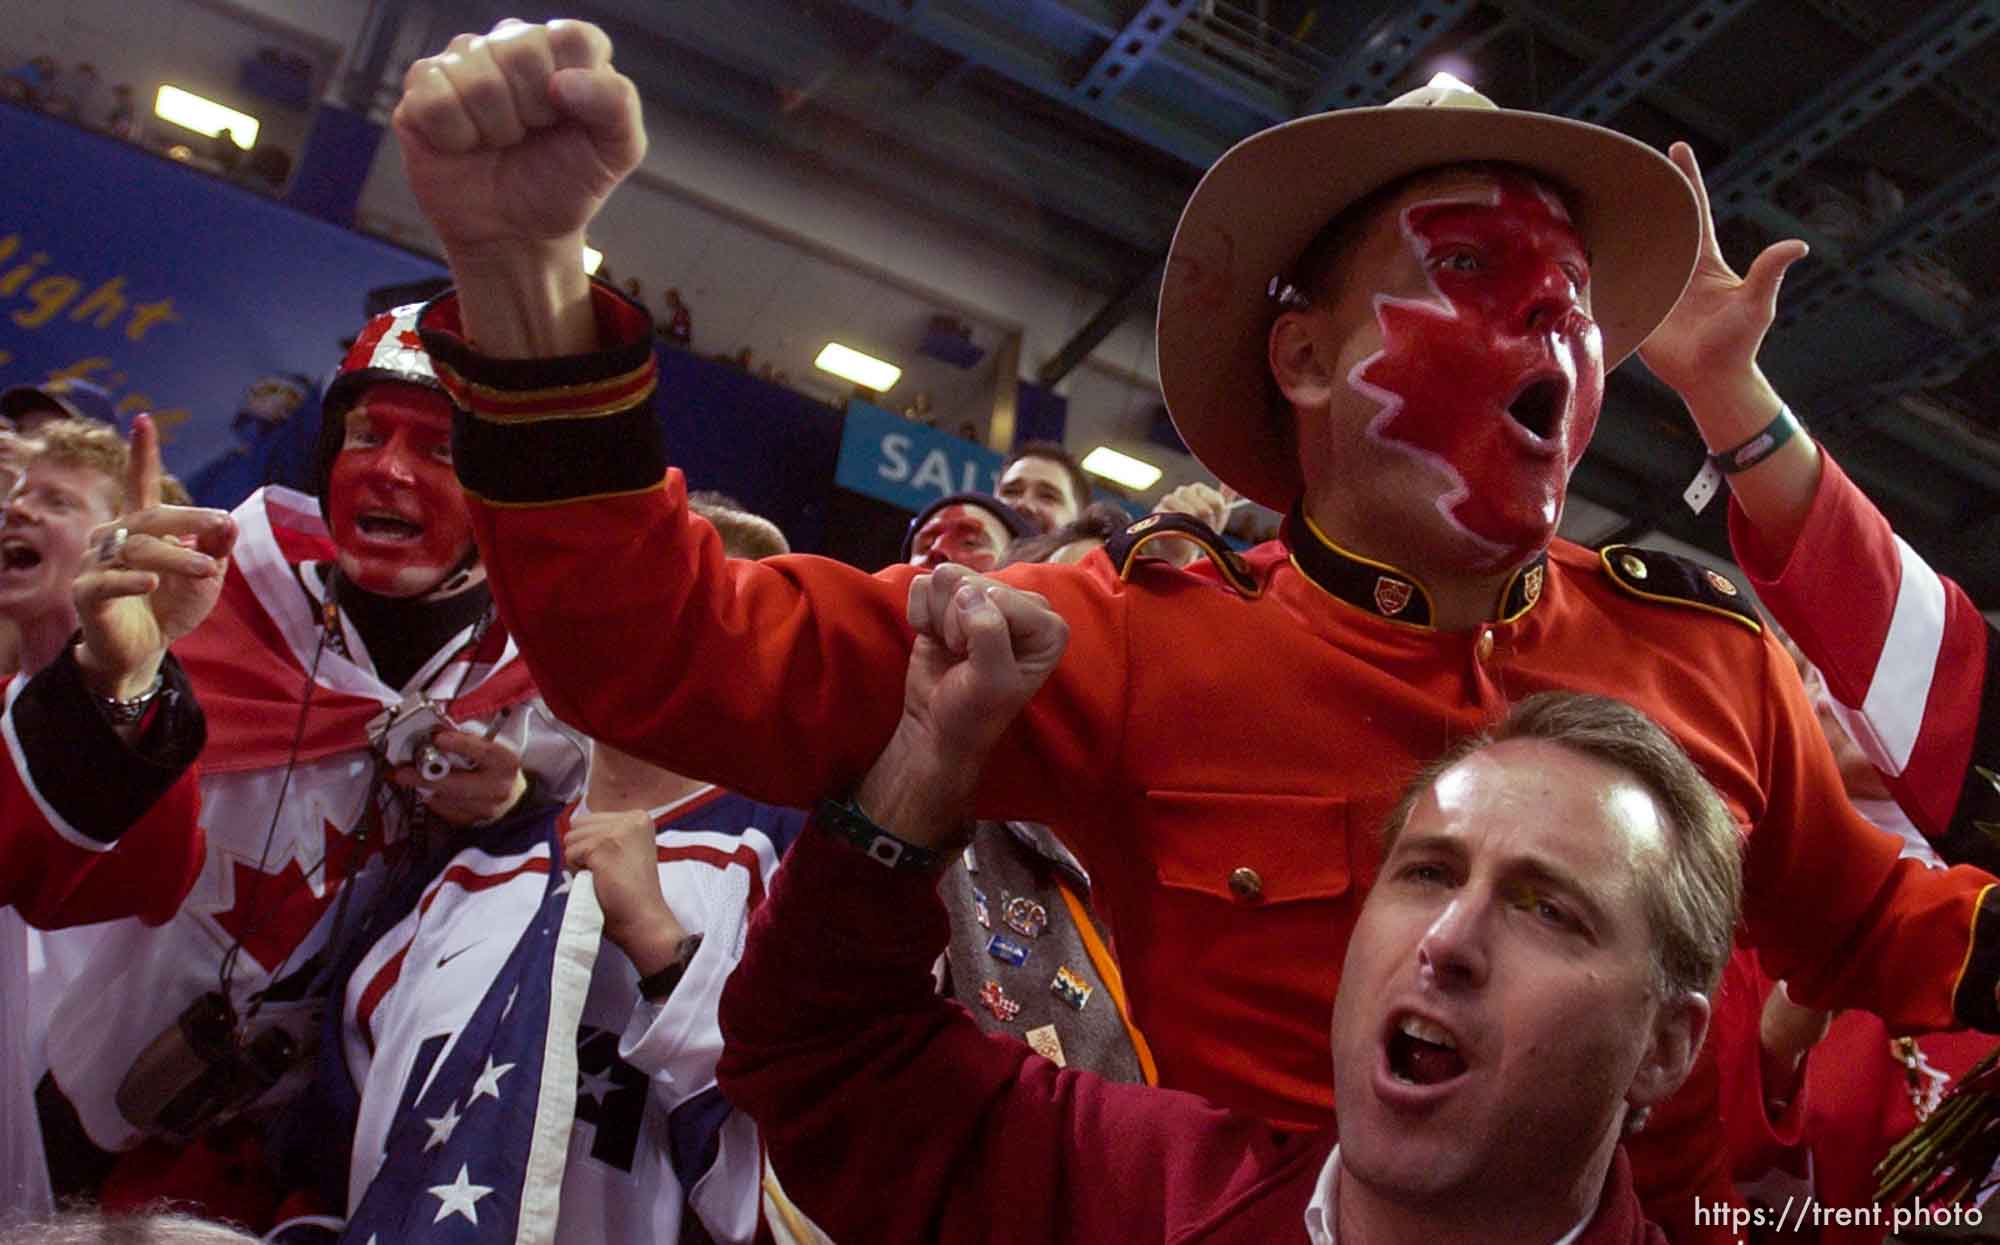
(444, 960)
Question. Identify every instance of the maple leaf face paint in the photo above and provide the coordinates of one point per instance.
(968, 535)
(1479, 363)
(399, 519)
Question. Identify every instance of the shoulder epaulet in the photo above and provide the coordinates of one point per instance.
(1124, 548)
(1654, 575)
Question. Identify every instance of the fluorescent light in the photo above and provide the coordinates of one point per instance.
(592, 257)
(1449, 82)
(205, 116)
(866, 371)
(1121, 469)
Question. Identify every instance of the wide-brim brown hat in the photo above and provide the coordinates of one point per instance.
(1269, 196)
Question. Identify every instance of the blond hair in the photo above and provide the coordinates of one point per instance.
(86, 445)
(744, 535)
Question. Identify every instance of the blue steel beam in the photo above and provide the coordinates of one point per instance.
(1035, 69)
(1893, 71)
(697, 86)
(1389, 48)
(1130, 49)
(1635, 64)
(1967, 198)
(1100, 21)
(779, 47)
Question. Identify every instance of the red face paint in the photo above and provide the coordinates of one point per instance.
(399, 518)
(963, 534)
(1495, 379)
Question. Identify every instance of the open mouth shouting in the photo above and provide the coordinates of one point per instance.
(1420, 1054)
(17, 554)
(1537, 408)
(388, 527)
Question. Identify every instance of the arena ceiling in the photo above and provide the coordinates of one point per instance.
(1072, 131)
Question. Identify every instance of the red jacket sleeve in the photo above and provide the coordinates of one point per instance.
(830, 1020)
(91, 829)
(780, 678)
(1833, 908)
(1903, 650)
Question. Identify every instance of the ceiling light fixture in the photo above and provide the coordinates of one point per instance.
(592, 258)
(864, 370)
(1448, 81)
(205, 116)
(1121, 469)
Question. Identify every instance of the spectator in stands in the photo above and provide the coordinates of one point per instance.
(123, 119)
(1043, 482)
(745, 533)
(678, 866)
(33, 81)
(224, 150)
(72, 481)
(96, 797)
(971, 529)
(342, 620)
(269, 447)
(1074, 540)
(1530, 976)
(679, 327)
(28, 407)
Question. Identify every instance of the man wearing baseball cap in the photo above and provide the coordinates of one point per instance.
(26, 408)
(1393, 323)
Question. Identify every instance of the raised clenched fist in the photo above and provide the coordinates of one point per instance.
(514, 139)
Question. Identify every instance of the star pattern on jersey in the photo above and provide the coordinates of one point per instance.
(594, 1085)
(488, 1084)
(443, 1126)
(610, 1097)
(460, 1197)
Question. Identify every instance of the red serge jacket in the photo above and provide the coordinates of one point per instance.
(831, 1019)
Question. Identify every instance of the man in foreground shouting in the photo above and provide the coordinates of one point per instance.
(1534, 972)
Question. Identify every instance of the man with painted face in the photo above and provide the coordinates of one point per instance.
(335, 614)
(1393, 323)
(970, 529)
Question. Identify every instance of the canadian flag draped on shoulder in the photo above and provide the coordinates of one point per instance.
(250, 659)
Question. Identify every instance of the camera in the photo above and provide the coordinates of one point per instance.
(200, 1070)
(402, 735)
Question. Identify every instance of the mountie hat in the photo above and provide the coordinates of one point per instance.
(1259, 207)
(78, 399)
(1014, 521)
(388, 350)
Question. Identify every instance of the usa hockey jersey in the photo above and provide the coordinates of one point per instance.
(651, 1136)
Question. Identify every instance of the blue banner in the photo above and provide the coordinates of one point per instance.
(887, 457)
(168, 287)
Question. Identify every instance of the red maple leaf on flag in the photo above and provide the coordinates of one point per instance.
(411, 339)
(275, 911)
